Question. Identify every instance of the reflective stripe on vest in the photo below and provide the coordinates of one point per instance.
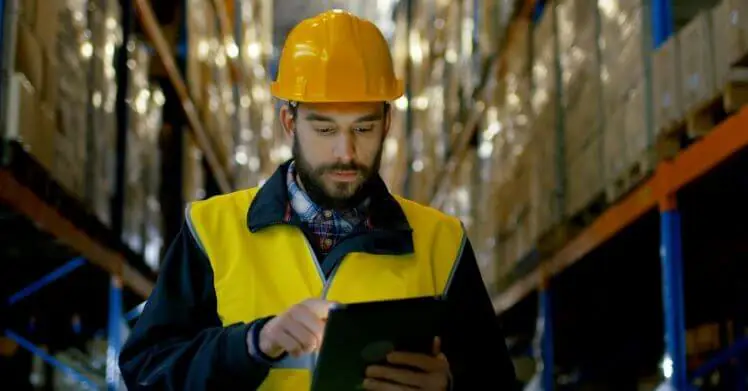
(266, 272)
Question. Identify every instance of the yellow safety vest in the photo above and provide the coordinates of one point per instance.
(263, 273)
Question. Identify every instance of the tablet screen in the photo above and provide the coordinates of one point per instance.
(361, 334)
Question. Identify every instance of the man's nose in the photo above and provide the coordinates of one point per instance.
(345, 149)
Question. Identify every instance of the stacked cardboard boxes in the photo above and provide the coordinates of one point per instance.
(624, 42)
(209, 77)
(581, 95)
(142, 226)
(47, 44)
(544, 150)
(67, 93)
(730, 35)
(696, 62)
(106, 36)
(666, 85)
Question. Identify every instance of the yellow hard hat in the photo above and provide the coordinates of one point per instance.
(336, 57)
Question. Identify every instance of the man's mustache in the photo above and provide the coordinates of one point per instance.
(344, 167)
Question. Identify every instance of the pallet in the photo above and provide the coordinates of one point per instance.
(563, 232)
(702, 119)
(639, 170)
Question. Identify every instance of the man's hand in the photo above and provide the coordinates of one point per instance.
(297, 331)
(430, 372)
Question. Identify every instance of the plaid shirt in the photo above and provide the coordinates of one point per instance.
(328, 226)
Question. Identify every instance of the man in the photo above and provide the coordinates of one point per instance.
(245, 289)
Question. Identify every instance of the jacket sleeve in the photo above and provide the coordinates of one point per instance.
(179, 343)
(474, 341)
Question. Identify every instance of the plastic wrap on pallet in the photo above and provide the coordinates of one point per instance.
(627, 143)
(259, 142)
(106, 36)
(666, 85)
(581, 102)
(544, 69)
(730, 39)
(697, 62)
(624, 40)
(544, 143)
(200, 33)
(73, 51)
(153, 222)
(193, 174)
(394, 155)
(246, 155)
(142, 225)
(581, 73)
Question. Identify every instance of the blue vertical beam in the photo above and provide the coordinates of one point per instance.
(671, 258)
(662, 21)
(547, 353)
(114, 334)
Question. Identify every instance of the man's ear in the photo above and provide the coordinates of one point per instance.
(287, 120)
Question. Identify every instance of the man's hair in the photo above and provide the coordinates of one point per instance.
(293, 107)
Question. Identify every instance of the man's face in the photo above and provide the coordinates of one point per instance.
(337, 148)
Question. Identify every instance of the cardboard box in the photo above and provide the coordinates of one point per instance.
(585, 177)
(28, 122)
(638, 137)
(668, 109)
(29, 10)
(730, 38)
(614, 150)
(29, 58)
(51, 86)
(697, 62)
(47, 25)
(68, 171)
(44, 149)
(582, 118)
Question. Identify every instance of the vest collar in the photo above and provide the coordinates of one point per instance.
(271, 205)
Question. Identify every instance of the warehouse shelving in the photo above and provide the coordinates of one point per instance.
(657, 194)
(461, 143)
(165, 54)
(56, 252)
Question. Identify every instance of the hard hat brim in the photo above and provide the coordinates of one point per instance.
(341, 97)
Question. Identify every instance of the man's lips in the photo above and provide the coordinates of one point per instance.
(344, 175)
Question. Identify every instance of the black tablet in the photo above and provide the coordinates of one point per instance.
(362, 334)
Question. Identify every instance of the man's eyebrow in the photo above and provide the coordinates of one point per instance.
(318, 117)
(370, 118)
(323, 118)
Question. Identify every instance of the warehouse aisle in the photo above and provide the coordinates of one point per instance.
(595, 151)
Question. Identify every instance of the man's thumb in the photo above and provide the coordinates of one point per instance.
(437, 346)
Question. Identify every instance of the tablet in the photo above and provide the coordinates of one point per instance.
(362, 334)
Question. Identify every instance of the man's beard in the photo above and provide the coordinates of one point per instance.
(346, 198)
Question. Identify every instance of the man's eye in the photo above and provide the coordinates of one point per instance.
(325, 130)
(362, 129)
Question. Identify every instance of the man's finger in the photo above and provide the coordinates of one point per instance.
(421, 361)
(380, 385)
(397, 375)
(310, 321)
(437, 346)
(319, 307)
(307, 340)
(287, 342)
